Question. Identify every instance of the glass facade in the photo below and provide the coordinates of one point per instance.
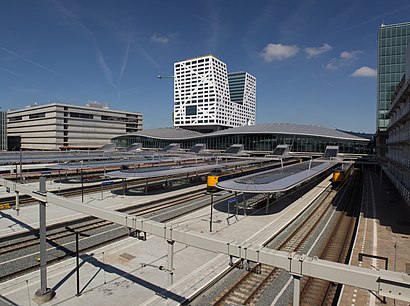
(392, 44)
(236, 82)
(253, 142)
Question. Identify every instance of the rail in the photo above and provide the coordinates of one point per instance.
(386, 283)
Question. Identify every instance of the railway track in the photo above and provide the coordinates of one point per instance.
(247, 290)
(60, 242)
(257, 279)
(320, 292)
(117, 186)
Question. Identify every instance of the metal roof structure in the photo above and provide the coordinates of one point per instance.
(172, 170)
(276, 180)
(271, 128)
(110, 163)
(162, 171)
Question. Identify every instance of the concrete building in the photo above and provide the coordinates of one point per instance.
(392, 44)
(398, 141)
(58, 126)
(207, 98)
(3, 131)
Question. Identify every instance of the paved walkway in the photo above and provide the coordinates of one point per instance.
(384, 231)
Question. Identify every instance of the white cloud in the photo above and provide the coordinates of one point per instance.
(315, 51)
(352, 55)
(278, 52)
(365, 72)
(159, 39)
(345, 59)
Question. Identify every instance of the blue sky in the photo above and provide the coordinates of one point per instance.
(315, 61)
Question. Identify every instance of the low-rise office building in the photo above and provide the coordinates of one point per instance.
(59, 126)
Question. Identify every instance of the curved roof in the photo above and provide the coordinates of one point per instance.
(167, 133)
(269, 128)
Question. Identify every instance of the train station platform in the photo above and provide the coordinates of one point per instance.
(28, 217)
(383, 231)
(115, 274)
(127, 272)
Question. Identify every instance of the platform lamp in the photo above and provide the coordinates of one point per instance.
(77, 267)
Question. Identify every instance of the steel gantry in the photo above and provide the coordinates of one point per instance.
(386, 283)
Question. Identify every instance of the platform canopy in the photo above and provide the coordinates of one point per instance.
(276, 180)
(172, 170)
(118, 163)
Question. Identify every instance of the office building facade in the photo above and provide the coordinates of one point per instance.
(202, 96)
(398, 141)
(58, 126)
(392, 45)
(3, 131)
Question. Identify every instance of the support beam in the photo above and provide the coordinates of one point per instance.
(386, 283)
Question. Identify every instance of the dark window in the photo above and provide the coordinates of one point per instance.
(81, 115)
(17, 118)
(190, 110)
(39, 115)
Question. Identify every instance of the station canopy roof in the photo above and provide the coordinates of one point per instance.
(269, 128)
(276, 180)
(173, 170)
(118, 163)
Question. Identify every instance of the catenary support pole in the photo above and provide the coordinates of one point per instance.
(210, 219)
(17, 202)
(43, 233)
(44, 294)
(296, 290)
(170, 262)
(77, 263)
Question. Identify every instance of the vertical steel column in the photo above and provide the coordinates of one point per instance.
(43, 254)
(237, 206)
(210, 219)
(170, 262)
(43, 294)
(82, 185)
(296, 290)
(17, 207)
(21, 166)
(77, 263)
(267, 203)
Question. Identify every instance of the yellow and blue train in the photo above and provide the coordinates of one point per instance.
(340, 174)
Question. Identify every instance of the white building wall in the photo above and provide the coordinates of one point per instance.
(202, 98)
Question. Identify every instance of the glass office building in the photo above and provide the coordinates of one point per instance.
(392, 44)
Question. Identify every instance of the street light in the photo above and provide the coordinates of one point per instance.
(77, 255)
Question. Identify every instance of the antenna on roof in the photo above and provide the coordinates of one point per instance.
(382, 22)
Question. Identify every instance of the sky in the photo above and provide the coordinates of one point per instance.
(315, 61)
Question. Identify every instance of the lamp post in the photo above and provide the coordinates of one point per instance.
(77, 266)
